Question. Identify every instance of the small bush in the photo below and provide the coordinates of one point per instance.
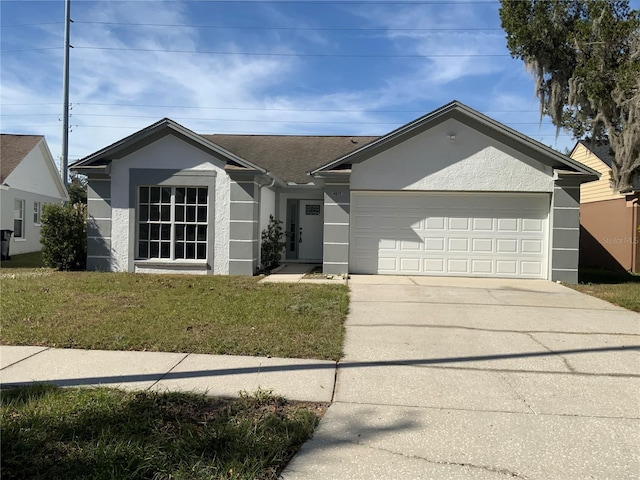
(64, 236)
(272, 244)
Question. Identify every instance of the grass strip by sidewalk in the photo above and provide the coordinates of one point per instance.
(626, 295)
(619, 288)
(174, 313)
(49, 432)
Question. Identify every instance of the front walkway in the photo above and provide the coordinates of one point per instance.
(446, 378)
(296, 272)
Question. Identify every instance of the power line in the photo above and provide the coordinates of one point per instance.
(13, 50)
(268, 54)
(329, 29)
(237, 132)
(30, 24)
(246, 108)
(291, 54)
(310, 2)
(251, 120)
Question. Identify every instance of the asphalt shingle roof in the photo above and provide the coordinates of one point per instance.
(289, 156)
(13, 149)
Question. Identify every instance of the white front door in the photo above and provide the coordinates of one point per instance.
(310, 230)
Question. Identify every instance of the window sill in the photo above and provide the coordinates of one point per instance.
(19, 239)
(173, 263)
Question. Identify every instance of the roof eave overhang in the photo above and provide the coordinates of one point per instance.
(574, 177)
(332, 176)
(90, 170)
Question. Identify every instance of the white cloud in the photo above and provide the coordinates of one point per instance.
(112, 90)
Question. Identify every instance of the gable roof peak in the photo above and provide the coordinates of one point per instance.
(474, 119)
(13, 149)
(153, 132)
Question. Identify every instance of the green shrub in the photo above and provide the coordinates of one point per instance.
(77, 189)
(64, 236)
(272, 244)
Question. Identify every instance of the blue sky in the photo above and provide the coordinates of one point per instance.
(279, 67)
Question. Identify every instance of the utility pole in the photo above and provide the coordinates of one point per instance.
(65, 93)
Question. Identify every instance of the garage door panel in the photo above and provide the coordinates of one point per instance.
(506, 267)
(410, 245)
(483, 224)
(507, 245)
(532, 225)
(434, 244)
(458, 265)
(458, 244)
(389, 264)
(410, 265)
(531, 268)
(441, 234)
(434, 223)
(363, 221)
(434, 266)
(387, 244)
(507, 225)
(532, 246)
(482, 245)
(458, 224)
(482, 267)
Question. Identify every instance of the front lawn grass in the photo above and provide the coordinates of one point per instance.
(619, 288)
(173, 313)
(24, 260)
(50, 432)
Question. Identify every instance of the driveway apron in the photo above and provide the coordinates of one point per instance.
(449, 378)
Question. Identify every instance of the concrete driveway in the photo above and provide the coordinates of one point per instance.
(480, 379)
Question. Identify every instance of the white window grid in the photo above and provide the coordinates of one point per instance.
(18, 218)
(172, 222)
(37, 213)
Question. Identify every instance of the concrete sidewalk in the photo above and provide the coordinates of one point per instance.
(217, 375)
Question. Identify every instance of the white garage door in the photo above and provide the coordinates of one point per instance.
(485, 235)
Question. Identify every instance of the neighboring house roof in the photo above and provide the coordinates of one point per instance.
(464, 114)
(13, 149)
(290, 157)
(149, 135)
(603, 152)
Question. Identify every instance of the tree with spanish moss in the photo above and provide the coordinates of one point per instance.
(585, 58)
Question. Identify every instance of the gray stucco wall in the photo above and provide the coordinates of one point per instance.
(99, 224)
(337, 209)
(565, 212)
(244, 232)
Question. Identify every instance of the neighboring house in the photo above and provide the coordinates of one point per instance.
(29, 179)
(609, 222)
(451, 193)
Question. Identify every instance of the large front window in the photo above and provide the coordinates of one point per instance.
(172, 223)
